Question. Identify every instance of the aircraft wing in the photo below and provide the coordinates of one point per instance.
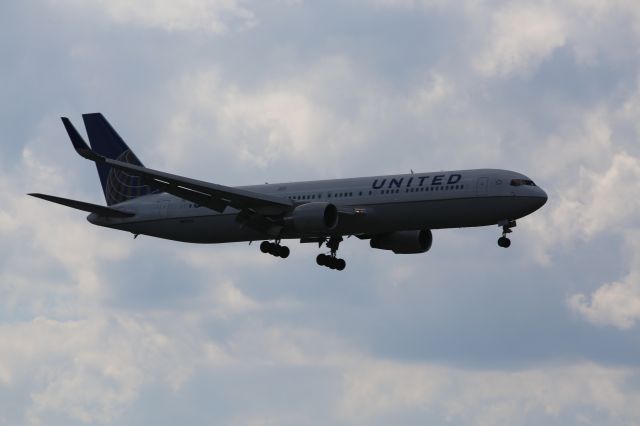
(211, 195)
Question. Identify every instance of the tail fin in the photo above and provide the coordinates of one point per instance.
(118, 186)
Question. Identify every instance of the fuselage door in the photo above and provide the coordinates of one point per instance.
(482, 185)
(163, 207)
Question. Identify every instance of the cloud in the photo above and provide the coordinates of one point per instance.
(70, 257)
(100, 330)
(90, 369)
(596, 203)
(209, 16)
(288, 120)
(375, 389)
(522, 35)
(614, 304)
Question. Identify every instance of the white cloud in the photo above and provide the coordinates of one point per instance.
(377, 389)
(57, 238)
(589, 204)
(90, 369)
(212, 16)
(289, 119)
(591, 164)
(522, 35)
(618, 303)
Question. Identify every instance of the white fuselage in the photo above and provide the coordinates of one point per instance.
(367, 206)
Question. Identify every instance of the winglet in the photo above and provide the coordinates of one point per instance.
(79, 144)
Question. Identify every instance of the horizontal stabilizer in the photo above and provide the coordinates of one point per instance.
(87, 207)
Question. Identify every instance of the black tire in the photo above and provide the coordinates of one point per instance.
(265, 247)
(504, 242)
(283, 252)
(340, 264)
(321, 259)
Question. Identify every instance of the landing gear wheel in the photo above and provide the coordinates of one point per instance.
(330, 260)
(283, 251)
(275, 249)
(504, 242)
(506, 225)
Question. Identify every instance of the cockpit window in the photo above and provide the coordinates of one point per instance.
(520, 182)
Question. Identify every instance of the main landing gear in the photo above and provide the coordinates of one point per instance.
(275, 249)
(503, 241)
(330, 260)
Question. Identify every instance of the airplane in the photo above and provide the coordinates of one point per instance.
(394, 212)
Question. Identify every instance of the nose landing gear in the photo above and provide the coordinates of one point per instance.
(503, 241)
(275, 249)
(330, 260)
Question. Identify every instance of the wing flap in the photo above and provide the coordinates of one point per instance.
(87, 207)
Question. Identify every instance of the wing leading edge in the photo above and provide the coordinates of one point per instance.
(211, 195)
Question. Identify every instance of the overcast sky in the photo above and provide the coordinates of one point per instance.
(96, 328)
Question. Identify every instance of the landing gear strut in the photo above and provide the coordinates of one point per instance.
(275, 249)
(330, 260)
(503, 241)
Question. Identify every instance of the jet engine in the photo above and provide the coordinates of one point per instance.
(404, 242)
(314, 218)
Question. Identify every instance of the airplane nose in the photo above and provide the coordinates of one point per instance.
(543, 197)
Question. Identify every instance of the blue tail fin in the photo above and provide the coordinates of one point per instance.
(118, 186)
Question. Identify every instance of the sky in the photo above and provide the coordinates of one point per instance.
(98, 328)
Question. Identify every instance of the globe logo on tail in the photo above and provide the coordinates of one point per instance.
(122, 186)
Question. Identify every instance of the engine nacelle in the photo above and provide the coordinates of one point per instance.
(314, 218)
(404, 242)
